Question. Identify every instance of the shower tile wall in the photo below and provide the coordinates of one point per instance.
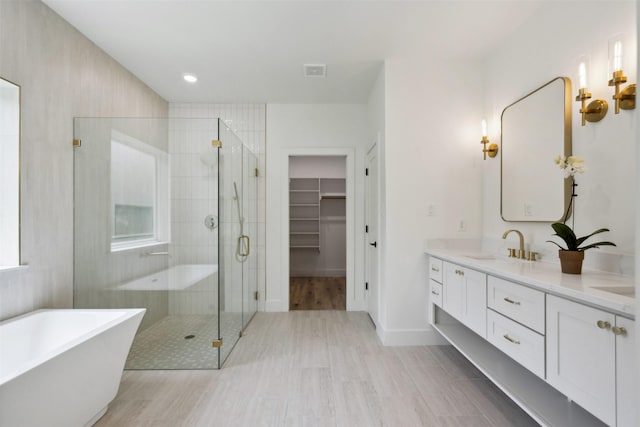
(194, 193)
(248, 123)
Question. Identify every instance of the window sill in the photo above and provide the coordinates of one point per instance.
(136, 245)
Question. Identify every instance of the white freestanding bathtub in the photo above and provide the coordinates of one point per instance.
(63, 367)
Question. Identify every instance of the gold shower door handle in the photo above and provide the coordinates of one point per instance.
(244, 239)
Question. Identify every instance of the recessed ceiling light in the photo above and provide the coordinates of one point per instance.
(190, 78)
(315, 70)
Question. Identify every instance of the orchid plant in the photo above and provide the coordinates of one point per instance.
(572, 165)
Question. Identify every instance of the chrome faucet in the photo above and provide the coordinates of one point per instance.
(521, 253)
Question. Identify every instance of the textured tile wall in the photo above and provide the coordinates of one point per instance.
(247, 121)
(63, 75)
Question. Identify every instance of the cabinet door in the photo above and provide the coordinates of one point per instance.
(626, 373)
(465, 296)
(435, 269)
(453, 289)
(474, 313)
(581, 356)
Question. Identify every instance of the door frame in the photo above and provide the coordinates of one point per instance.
(372, 262)
(355, 300)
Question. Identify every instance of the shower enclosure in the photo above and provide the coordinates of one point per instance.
(165, 218)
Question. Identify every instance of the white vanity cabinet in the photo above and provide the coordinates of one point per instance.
(561, 347)
(435, 281)
(590, 359)
(626, 366)
(465, 296)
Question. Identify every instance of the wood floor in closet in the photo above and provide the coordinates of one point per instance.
(317, 368)
(317, 293)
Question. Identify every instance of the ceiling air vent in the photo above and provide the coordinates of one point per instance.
(315, 70)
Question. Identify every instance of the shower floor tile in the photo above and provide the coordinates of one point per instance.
(183, 342)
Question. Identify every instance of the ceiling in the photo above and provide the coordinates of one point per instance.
(254, 51)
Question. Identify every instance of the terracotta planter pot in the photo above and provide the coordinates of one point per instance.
(571, 261)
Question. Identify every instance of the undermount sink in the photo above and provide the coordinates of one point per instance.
(480, 255)
(627, 291)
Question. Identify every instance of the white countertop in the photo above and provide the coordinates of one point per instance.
(548, 277)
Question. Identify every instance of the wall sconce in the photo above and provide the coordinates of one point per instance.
(597, 109)
(625, 98)
(493, 148)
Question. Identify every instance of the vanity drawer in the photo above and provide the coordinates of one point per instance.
(521, 344)
(435, 269)
(435, 293)
(522, 304)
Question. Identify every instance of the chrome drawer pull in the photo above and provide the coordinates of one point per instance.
(508, 338)
(603, 324)
(435, 293)
(619, 331)
(435, 269)
(510, 301)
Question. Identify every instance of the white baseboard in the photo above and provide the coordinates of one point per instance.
(274, 306)
(406, 337)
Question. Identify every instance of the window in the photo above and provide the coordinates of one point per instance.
(9, 174)
(139, 193)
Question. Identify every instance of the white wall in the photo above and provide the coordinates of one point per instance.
(62, 75)
(530, 58)
(316, 167)
(637, 223)
(433, 174)
(312, 130)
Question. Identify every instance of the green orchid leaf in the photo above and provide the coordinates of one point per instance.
(596, 245)
(565, 233)
(582, 239)
(551, 241)
(573, 243)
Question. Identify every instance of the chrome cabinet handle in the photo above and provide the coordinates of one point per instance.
(459, 272)
(435, 269)
(435, 293)
(603, 324)
(619, 330)
(511, 340)
(510, 301)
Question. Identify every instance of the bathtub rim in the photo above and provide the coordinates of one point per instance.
(22, 368)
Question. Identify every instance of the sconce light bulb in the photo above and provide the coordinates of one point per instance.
(484, 128)
(582, 73)
(617, 56)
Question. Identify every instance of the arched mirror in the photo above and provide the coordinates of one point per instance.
(536, 129)
(9, 174)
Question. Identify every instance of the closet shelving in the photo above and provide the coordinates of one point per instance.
(332, 188)
(305, 197)
(304, 213)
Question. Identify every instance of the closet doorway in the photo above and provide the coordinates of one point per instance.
(317, 233)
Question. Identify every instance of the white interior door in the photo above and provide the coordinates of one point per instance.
(371, 234)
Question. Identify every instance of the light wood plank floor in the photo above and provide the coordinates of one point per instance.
(317, 293)
(317, 368)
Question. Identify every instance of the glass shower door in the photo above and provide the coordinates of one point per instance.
(238, 198)
(165, 218)
(146, 233)
(250, 266)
